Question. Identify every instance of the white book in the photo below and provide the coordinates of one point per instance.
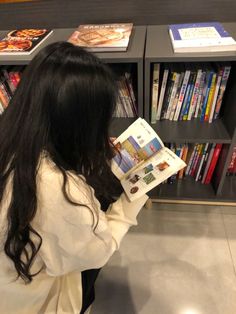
(173, 108)
(200, 94)
(173, 93)
(155, 87)
(200, 37)
(162, 93)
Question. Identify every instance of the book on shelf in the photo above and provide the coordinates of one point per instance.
(193, 91)
(155, 87)
(232, 165)
(23, 41)
(200, 37)
(126, 101)
(9, 80)
(102, 37)
(141, 160)
(200, 159)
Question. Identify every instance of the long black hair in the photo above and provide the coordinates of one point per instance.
(63, 105)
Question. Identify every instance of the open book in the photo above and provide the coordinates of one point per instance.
(142, 161)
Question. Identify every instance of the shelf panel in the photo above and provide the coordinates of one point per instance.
(185, 189)
(155, 52)
(134, 53)
(192, 131)
(229, 188)
(119, 125)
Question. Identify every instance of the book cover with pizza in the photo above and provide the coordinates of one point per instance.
(22, 41)
(102, 37)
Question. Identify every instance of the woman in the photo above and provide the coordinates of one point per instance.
(56, 183)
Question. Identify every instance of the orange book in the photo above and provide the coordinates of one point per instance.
(184, 157)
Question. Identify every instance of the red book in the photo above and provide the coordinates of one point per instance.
(212, 166)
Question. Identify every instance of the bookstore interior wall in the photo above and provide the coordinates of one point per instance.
(71, 13)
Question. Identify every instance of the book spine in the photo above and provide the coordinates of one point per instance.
(206, 96)
(200, 94)
(186, 110)
(155, 87)
(208, 162)
(201, 161)
(162, 93)
(222, 90)
(212, 166)
(184, 157)
(176, 77)
(182, 94)
(204, 162)
(195, 95)
(166, 101)
(131, 92)
(175, 102)
(196, 159)
(127, 100)
(232, 161)
(219, 78)
(3, 96)
(210, 98)
(186, 97)
(191, 160)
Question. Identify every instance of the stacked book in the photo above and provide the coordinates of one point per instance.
(188, 91)
(9, 79)
(201, 160)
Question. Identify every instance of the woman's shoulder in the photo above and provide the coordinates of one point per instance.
(51, 180)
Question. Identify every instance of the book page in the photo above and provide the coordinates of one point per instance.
(154, 171)
(134, 146)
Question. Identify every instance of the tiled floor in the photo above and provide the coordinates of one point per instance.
(180, 259)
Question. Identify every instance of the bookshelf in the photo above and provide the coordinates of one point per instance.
(223, 130)
(132, 57)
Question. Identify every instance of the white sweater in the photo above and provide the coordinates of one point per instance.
(69, 244)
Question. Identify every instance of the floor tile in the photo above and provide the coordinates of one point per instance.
(173, 262)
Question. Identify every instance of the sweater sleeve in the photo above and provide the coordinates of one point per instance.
(79, 237)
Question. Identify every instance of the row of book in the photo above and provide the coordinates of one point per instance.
(232, 165)
(126, 103)
(188, 91)
(9, 80)
(201, 160)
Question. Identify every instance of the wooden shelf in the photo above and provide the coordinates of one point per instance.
(229, 189)
(134, 53)
(159, 47)
(119, 125)
(185, 189)
(192, 131)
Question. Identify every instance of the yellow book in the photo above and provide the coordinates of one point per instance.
(210, 98)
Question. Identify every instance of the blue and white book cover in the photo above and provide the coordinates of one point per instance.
(201, 37)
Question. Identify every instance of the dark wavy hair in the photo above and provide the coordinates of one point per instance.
(63, 105)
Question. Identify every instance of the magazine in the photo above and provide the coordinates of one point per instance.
(102, 37)
(22, 41)
(142, 161)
